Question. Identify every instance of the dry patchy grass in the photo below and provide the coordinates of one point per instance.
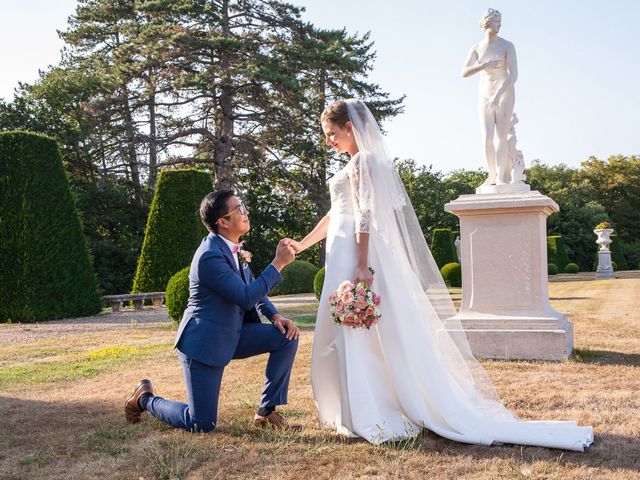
(62, 416)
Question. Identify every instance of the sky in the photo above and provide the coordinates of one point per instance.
(577, 92)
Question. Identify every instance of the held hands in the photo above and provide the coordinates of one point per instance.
(363, 274)
(286, 327)
(297, 246)
(285, 254)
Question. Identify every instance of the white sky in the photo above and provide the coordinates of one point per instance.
(579, 70)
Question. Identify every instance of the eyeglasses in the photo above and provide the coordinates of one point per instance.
(240, 208)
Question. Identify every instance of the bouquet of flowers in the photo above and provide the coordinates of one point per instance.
(355, 306)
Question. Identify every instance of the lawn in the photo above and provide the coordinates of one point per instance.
(62, 386)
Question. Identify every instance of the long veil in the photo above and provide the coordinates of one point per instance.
(395, 221)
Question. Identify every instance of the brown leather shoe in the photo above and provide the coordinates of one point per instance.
(275, 420)
(132, 410)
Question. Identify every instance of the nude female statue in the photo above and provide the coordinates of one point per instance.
(495, 59)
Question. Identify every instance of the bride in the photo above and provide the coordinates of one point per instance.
(406, 373)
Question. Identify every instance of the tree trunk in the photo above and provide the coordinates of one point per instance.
(223, 145)
(132, 156)
(153, 144)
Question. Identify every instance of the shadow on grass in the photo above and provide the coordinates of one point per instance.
(38, 434)
(568, 298)
(605, 357)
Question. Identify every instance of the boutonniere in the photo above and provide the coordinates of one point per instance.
(245, 255)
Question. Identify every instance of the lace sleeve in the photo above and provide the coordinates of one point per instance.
(362, 193)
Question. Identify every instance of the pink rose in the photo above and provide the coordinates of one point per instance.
(369, 312)
(376, 299)
(361, 304)
(347, 297)
(361, 291)
(349, 319)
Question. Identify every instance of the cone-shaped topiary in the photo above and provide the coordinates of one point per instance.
(571, 268)
(177, 294)
(174, 229)
(297, 277)
(556, 252)
(318, 282)
(452, 274)
(442, 247)
(45, 266)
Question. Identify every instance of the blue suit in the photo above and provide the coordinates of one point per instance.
(220, 323)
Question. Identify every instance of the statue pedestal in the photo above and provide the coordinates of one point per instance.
(505, 311)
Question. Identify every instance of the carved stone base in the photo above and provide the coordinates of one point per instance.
(523, 338)
(505, 310)
(504, 188)
(605, 268)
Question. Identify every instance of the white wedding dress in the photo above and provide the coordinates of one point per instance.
(390, 381)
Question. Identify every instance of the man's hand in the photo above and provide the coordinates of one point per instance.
(286, 327)
(285, 254)
(297, 246)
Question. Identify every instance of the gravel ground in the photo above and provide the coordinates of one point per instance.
(107, 320)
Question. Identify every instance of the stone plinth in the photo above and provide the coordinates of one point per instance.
(505, 311)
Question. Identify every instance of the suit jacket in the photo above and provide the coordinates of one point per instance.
(221, 299)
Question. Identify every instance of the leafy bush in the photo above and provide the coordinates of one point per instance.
(552, 269)
(614, 265)
(177, 294)
(556, 252)
(45, 266)
(174, 229)
(297, 277)
(318, 282)
(452, 274)
(617, 252)
(571, 268)
(442, 247)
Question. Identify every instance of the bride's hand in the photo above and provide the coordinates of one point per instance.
(297, 246)
(363, 274)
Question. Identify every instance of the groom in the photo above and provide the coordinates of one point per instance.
(221, 323)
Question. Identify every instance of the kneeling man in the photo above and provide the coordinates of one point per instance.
(221, 323)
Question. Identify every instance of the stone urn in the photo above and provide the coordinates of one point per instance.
(605, 268)
(604, 237)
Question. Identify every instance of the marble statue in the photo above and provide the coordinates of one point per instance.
(494, 58)
(516, 159)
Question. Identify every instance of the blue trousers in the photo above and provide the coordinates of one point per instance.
(203, 381)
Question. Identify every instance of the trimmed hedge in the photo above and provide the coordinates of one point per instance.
(571, 268)
(318, 282)
(556, 252)
(452, 274)
(174, 229)
(552, 269)
(177, 294)
(45, 266)
(617, 254)
(297, 277)
(442, 247)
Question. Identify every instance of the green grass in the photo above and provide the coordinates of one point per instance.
(304, 319)
(77, 365)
